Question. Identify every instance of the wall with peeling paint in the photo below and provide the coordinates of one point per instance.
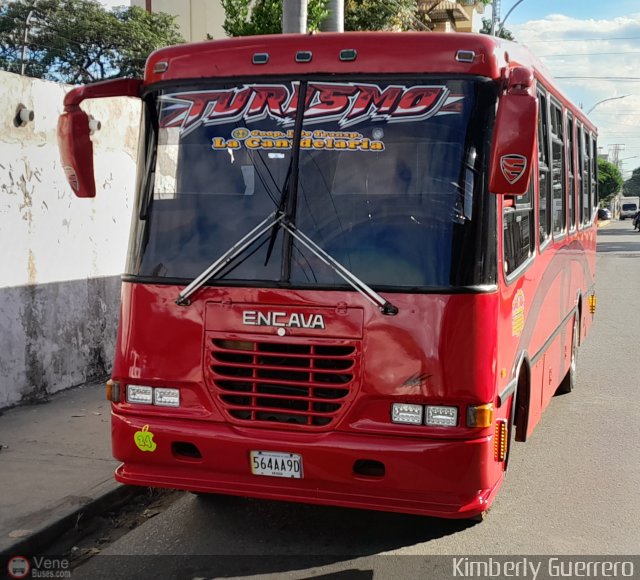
(61, 256)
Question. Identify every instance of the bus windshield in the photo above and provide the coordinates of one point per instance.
(391, 182)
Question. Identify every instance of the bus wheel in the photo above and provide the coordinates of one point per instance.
(568, 383)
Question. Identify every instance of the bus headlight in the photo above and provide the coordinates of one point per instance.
(406, 413)
(159, 396)
(166, 397)
(440, 416)
(139, 394)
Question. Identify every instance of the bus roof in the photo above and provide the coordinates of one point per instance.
(374, 52)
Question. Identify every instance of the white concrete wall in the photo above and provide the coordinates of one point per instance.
(61, 256)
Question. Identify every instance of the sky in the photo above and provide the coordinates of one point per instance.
(596, 39)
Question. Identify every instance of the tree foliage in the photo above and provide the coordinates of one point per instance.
(504, 33)
(381, 15)
(78, 41)
(609, 180)
(632, 185)
(249, 17)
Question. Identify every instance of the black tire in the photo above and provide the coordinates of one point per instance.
(568, 383)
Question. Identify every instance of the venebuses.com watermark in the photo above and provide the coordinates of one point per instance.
(541, 568)
(38, 567)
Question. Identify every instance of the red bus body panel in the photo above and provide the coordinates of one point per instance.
(450, 341)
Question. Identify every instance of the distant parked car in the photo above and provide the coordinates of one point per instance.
(604, 213)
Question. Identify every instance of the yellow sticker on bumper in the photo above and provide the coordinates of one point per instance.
(144, 439)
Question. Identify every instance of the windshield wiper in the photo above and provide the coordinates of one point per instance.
(272, 220)
(278, 220)
(369, 293)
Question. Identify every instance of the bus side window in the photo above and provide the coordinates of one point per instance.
(558, 170)
(586, 179)
(580, 175)
(594, 175)
(544, 181)
(571, 166)
(518, 226)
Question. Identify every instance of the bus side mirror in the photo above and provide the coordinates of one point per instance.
(514, 140)
(76, 148)
(76, 151)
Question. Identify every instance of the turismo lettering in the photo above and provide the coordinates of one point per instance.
(345, 103)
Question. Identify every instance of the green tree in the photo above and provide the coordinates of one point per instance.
(504, 33)
(250, 17)
(632, 185)
(609, 180)
(78, 41)
(381, 15)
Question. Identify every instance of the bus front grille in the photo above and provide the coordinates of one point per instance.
(304, 385)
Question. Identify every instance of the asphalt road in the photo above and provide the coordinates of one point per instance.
(571, 489)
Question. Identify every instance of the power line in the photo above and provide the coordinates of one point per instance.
(586, 39)
(617, 79)
(586, 54)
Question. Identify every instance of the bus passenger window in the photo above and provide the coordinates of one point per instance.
(544, 182)
(518, 231)
(572, 179)
(594, 175)
(558, 170)
(579, 174)
(586, 177)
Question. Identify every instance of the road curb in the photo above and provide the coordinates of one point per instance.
(106, 496)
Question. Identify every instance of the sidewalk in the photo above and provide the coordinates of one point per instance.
(55, 466)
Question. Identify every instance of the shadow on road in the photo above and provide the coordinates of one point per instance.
(622, 240)
(295, 529)
(237, 537)
(617, 231)
(625, 247)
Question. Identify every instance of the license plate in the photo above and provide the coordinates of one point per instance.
(275, 464)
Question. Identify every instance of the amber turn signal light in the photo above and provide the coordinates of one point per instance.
(500, 440)
(480, 416)
(113, 391)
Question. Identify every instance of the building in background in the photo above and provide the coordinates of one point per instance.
(196, 18)
(449, 16)
(199, 18)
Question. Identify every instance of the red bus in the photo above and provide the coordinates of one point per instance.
(360, 265)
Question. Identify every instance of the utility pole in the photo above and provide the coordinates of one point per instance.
(27, 26)
(495, 16)
(614, 153)
(294, 16)
(335, 21)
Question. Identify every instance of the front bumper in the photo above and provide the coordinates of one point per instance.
(441, 478)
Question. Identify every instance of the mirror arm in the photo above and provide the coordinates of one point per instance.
(101, 90)
(74, 134)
